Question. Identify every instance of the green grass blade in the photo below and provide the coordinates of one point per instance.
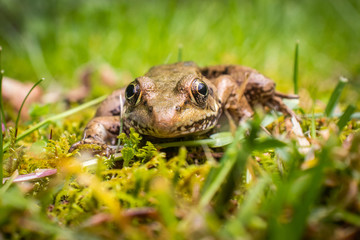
(218, 175)
(299, 191)
(2, 118)
(1, 145)
(345, 117)
(1, 100)
(355, 115)
(334, 99)
(57, 117)
(22, 104)
(216, 140)
(8, 182)
(296, 68)
(180, 53)
(248, 207)
(313, 123)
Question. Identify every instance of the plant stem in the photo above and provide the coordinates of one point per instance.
(22, 104)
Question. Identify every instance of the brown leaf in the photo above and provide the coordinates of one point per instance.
(78, 94)
(14, 92)
(108, 76)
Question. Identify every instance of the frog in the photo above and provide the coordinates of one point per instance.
(181, 100)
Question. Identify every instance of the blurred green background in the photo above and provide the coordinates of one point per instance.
(54, 39)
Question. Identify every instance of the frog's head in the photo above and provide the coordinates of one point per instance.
(170, 101)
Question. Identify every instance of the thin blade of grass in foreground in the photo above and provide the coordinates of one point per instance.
(57, 117)
(1, 145)
(22, 104)
(355, 115)
(1, 100)
(247, 213)
(9, 181)
(216, 140)
(232, 165)
(2, 119)
(345, 117)
(296, 193)
(218, 175)
(334, 99)
(225, 177)
(296, 68)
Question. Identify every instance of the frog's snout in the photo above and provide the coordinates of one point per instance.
(164, 120)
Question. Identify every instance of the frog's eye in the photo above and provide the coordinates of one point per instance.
(199, 91)
(133, 93)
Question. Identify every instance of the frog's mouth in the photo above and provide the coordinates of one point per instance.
(173, 129)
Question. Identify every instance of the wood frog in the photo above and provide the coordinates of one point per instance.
(180, 99)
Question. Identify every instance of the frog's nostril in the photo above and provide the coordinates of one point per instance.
(150, 109)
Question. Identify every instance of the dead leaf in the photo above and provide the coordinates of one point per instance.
(80, 93)
(14, 92)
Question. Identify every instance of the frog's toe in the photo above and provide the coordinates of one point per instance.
(277, 104)
(95, 147)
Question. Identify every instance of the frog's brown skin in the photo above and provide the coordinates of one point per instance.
(175, 100)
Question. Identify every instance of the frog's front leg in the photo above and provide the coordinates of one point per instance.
(102, 131)
(234, 102)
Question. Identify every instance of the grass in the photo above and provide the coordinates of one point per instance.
(334, 99)
(2, 120)
(257, 187)
(345, 117)
(56, 118)
(296, 69)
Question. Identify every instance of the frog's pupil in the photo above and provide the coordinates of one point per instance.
(130, 91)
(202, 89)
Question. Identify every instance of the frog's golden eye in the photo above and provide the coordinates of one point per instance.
(133, 93)
(199, 91)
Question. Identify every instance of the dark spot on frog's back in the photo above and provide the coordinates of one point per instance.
(116, 111)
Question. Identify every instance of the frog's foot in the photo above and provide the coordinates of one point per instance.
(277, 104)
(288, 96)
(93, 146)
